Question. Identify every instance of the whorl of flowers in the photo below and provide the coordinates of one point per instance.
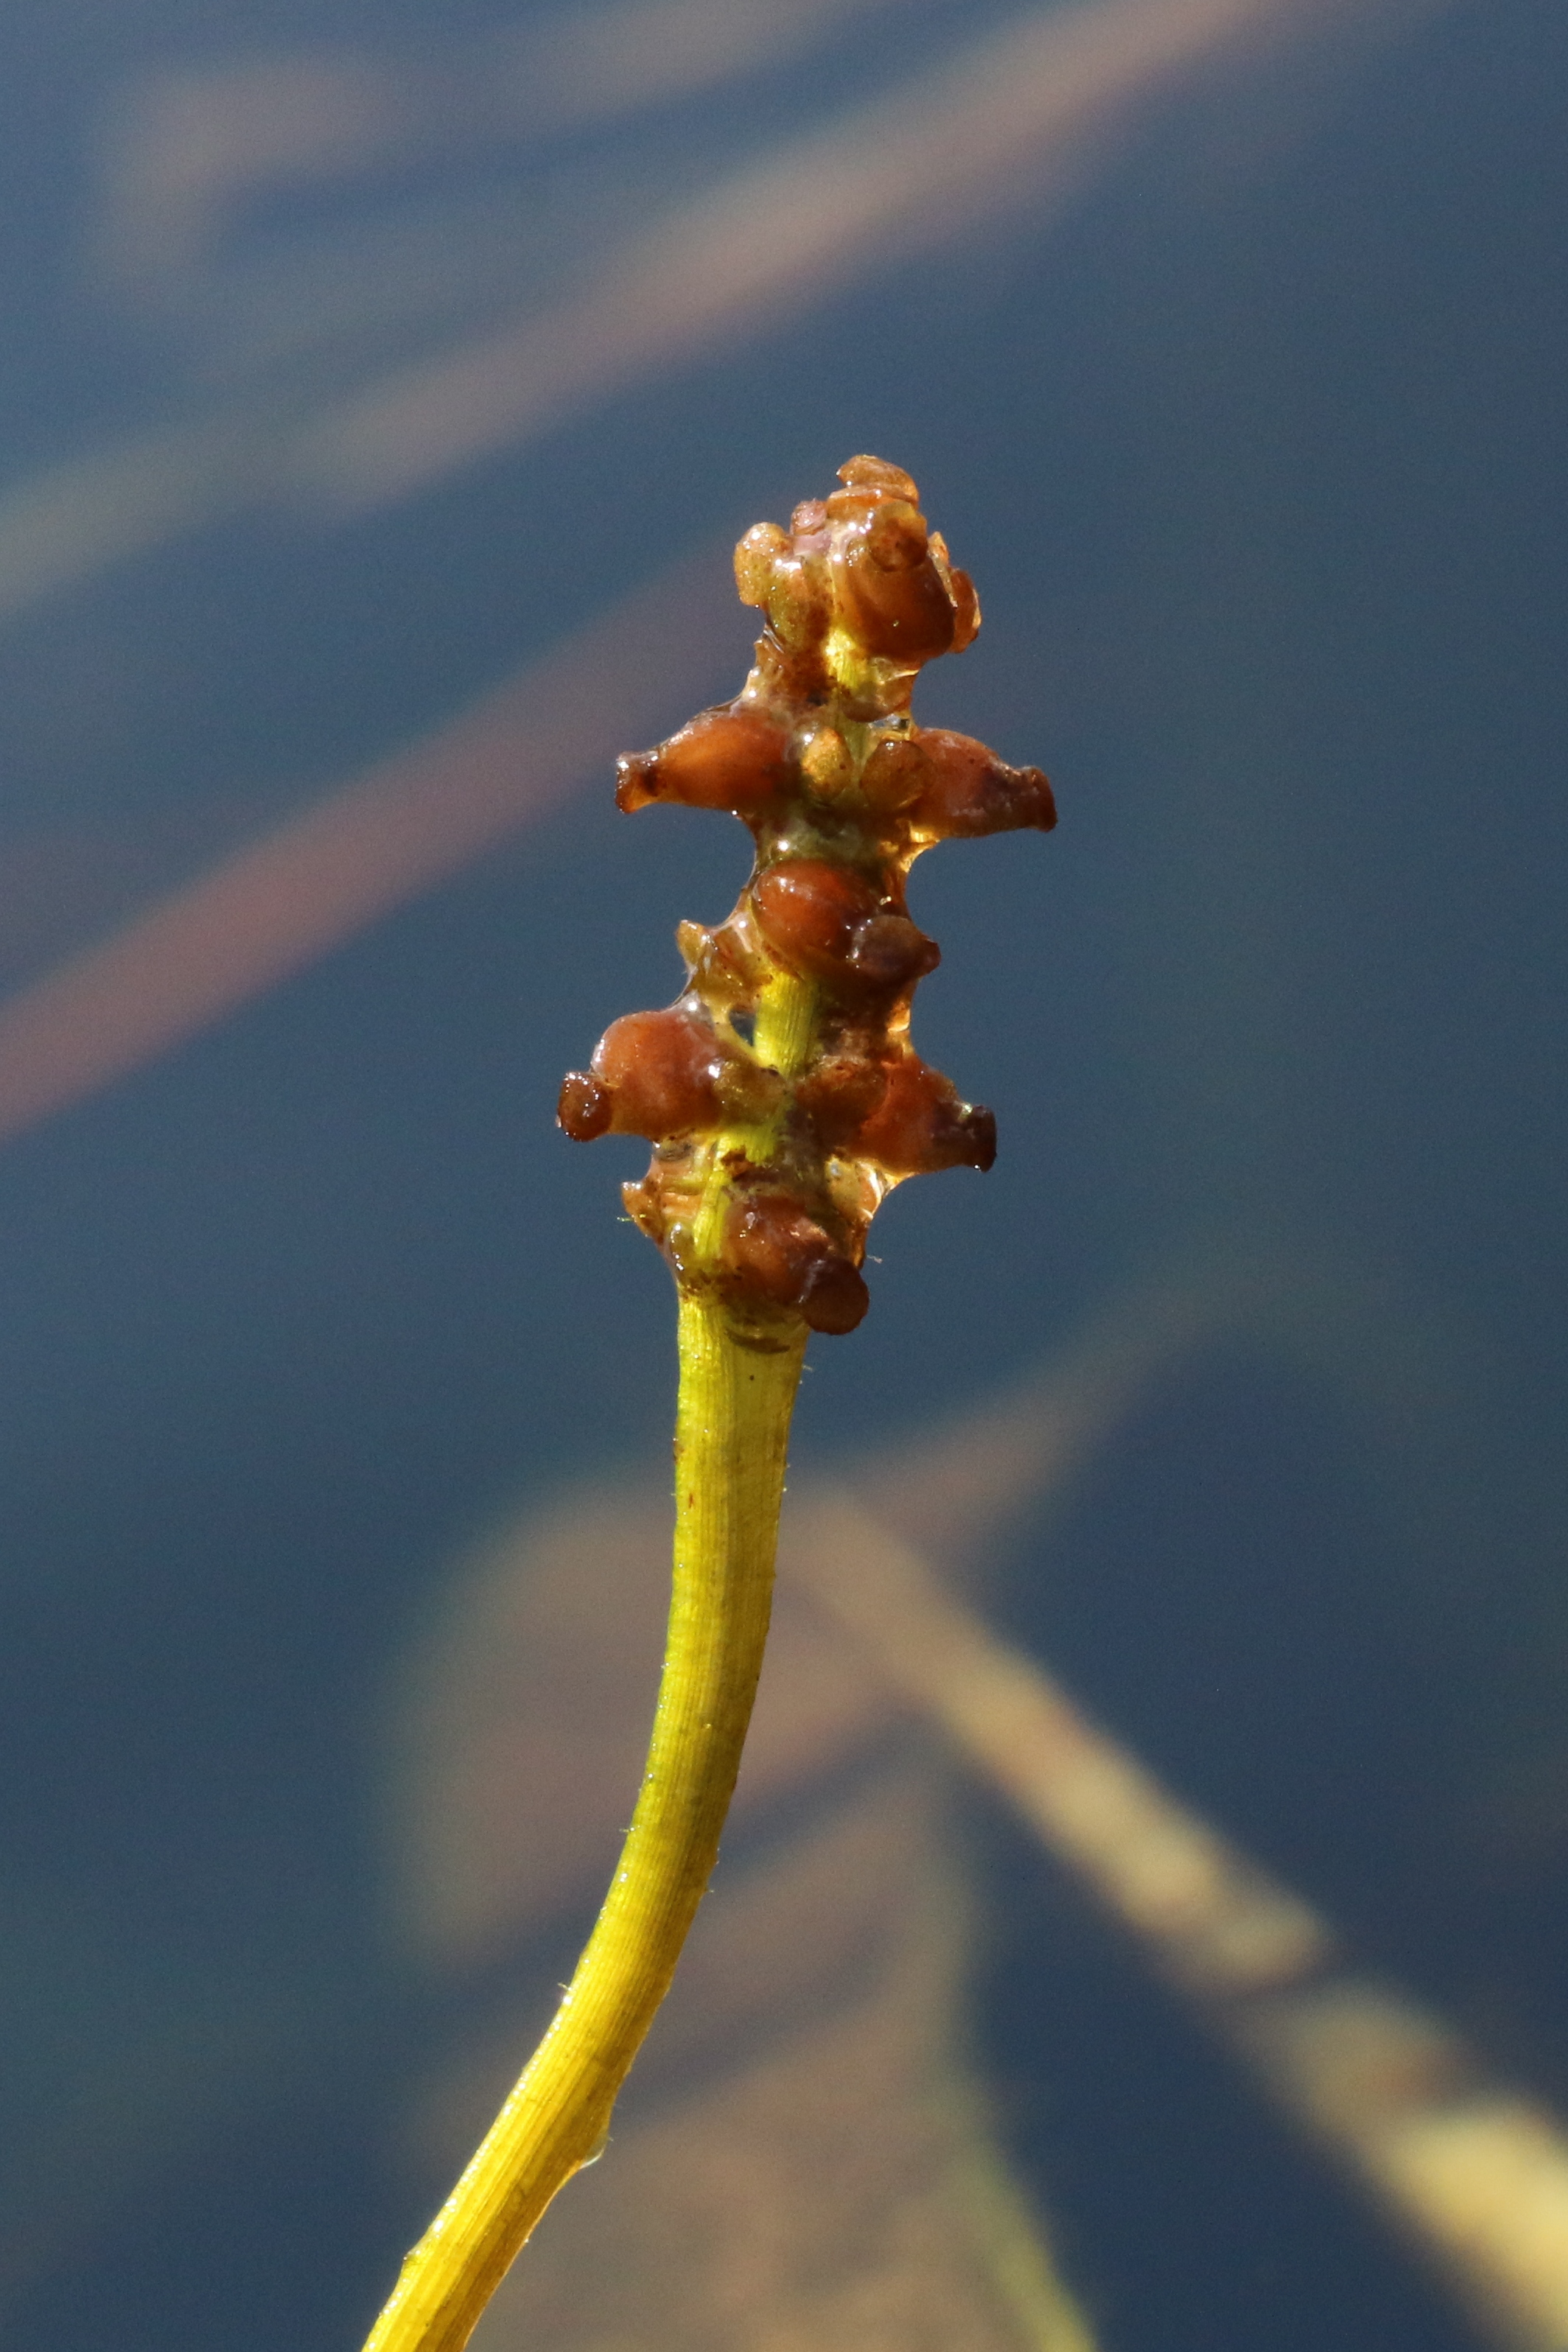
(780, 1091)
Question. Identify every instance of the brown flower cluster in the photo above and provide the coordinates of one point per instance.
(780, 1091)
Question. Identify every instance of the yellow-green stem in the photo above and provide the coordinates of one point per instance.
(731, 1433)
(786, 1025)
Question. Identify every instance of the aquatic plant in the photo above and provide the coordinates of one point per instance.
(783, 1101)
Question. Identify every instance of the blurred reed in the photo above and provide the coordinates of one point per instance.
(1017, 120)
(288, 897)
(1473, 2172)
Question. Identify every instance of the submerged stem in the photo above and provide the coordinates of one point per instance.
(731, 1433)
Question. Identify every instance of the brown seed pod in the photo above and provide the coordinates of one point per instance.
(919, 1125)
(660, 1071)
(808, 910)
(823, 921)
(970, 791)
(775, 1253)
(901, 610)
(735, 759)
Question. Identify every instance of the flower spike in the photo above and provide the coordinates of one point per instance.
(780, 1091)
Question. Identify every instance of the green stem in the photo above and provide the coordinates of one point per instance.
(731, 1434)
(786, 1025)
